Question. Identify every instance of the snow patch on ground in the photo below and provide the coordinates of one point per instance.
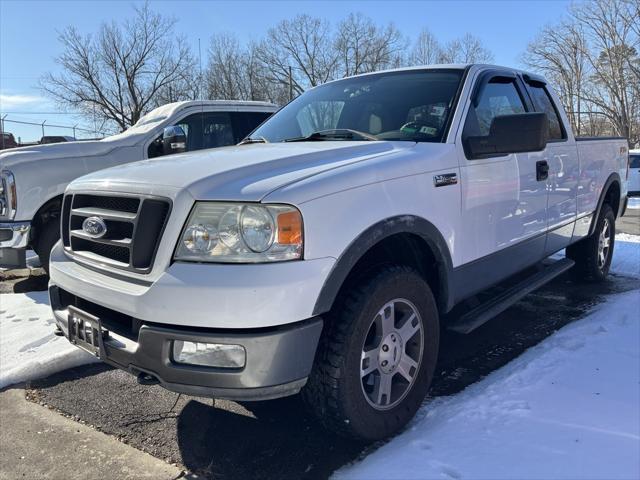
(626, 255)
(28, 347)
(567, 408)
(633, 203)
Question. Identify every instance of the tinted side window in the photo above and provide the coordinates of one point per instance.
(246, 122)
(543, 102)
(634, 161)
(498, 97)
(207, 130)
(203, 130)
(192, 126)
(217, 130)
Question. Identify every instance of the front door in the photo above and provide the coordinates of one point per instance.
(504, 202)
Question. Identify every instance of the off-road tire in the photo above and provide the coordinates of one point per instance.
(586, 252)
(48, 236)
(334, 391)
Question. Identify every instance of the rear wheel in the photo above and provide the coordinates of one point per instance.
(593, 255)
(377, 356)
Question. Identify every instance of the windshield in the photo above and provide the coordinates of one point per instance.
(412, 105)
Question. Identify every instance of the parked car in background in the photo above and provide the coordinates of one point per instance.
(323, 253)
(7, 140)
(34, 178)
(56, 139)
(634, 172)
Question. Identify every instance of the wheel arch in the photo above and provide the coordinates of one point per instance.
(403, 239)
(610, 194)
(48, 211)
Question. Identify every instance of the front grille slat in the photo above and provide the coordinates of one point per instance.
(104, 213)
(134, 226)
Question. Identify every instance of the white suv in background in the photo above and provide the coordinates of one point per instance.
(634, 172)
(33, 178)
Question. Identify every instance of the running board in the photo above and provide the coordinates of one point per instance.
(486, 311)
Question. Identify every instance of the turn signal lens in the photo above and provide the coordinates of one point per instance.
(290, 228)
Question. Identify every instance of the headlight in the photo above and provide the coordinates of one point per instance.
(241, 233)
(8, 197)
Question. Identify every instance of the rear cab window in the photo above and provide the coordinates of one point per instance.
(543, 103)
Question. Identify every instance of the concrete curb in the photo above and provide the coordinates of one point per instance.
(36, 442)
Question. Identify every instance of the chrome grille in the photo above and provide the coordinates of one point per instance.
(134, 226)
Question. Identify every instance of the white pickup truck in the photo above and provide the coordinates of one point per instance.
(324, 253)
(33, 179)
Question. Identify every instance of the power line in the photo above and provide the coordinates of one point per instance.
(40, 113)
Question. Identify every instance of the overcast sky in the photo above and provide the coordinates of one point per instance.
(29, 30)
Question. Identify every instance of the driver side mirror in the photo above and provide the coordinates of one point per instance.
(174, 140)
(522, 132)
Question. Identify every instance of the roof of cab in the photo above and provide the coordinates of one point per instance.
(446, 66)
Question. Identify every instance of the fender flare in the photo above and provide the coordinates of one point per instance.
(613, 178)
(375, 234)
(34, 220)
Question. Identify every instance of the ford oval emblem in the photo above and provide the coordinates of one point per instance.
(94, 227)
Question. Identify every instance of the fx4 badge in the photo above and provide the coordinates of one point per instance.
(445, 179)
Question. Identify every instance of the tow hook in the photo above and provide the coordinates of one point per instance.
(58, 331)
(147, 379)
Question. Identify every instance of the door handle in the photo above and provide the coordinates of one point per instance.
(542, 170)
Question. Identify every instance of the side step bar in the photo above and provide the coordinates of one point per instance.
(484, 312)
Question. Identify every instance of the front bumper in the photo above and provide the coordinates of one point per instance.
(201, 295)
(14, 238)
(14, 234)
(278, 360)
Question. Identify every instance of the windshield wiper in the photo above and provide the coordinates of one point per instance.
(334, 134)
(249, 140)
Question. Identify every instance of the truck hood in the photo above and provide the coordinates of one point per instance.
(53, 151)
(241, 172)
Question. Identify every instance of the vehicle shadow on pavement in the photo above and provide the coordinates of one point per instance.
(281, 441)
(220, 439)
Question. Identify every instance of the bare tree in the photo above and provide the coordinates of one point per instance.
(467, 49)
(186, 85)
(226, 71)
(593, 60)
(362, 46)
(426, 50)
(118, 73)
(612, 32)
(298, 53)
(235, 72)
(559, 52)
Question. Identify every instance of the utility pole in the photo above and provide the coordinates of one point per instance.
(2, 129)
(200, 74)
(290, 84)
(43, 127)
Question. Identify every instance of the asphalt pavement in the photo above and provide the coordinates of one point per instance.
(36, 442)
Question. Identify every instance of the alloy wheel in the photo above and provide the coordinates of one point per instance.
(391, 354)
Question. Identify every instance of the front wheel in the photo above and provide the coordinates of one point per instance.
(593, 255)
(377, 356)
(47, 238)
